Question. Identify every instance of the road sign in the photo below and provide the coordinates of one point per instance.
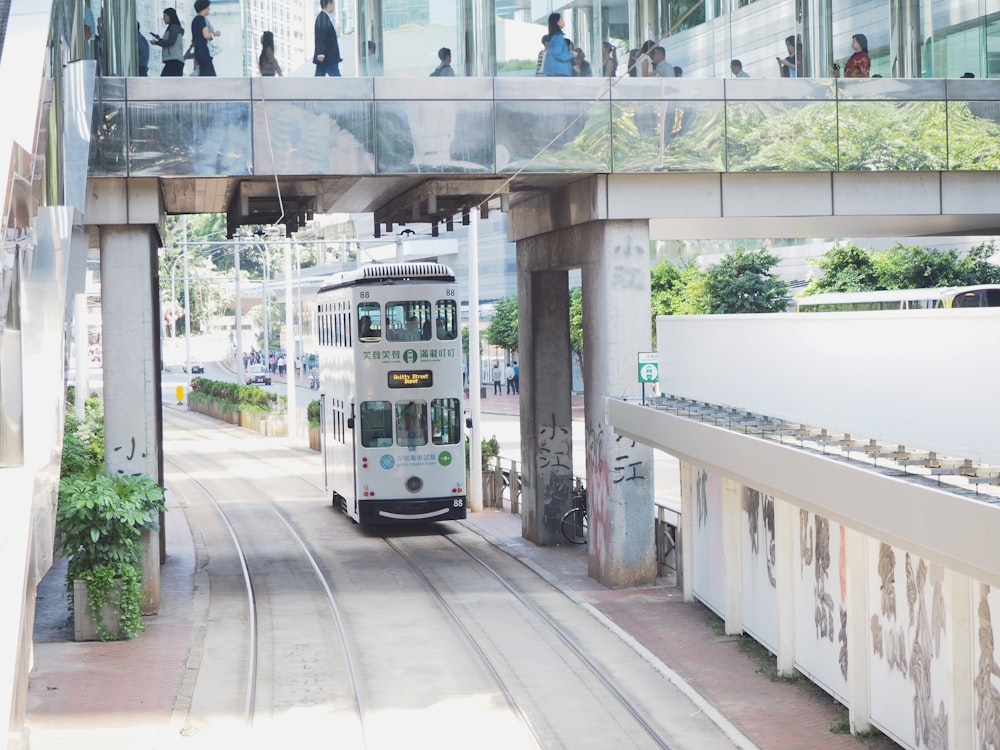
(649, 367)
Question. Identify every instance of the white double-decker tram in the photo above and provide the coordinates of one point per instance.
(391, 393)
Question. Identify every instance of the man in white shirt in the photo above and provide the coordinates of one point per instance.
(661, 68)
(737, 68)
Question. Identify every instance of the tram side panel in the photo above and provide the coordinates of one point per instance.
(337, 379)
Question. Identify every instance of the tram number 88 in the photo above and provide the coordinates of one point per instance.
(457, 502)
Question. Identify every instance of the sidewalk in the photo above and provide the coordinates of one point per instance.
(511, 405)
(124, 695)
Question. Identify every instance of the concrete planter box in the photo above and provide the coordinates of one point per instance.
(315, 439)
(269, 425)
(84, 626)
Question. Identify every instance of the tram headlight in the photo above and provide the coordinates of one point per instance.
(414, 484)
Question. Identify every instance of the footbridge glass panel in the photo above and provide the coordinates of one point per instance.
(224, 127)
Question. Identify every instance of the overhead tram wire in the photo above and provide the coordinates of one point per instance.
(612, 82)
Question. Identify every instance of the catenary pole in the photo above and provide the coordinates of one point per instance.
(290, 345)
(475, 441)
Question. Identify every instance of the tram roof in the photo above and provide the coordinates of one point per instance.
(374, 273)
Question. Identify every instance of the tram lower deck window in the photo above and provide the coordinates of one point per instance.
(376, 424)
(411, 423)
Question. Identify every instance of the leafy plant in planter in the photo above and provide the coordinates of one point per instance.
(99, 526)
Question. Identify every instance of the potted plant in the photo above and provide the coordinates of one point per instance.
(99, 525)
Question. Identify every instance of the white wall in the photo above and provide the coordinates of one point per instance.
(923, 379)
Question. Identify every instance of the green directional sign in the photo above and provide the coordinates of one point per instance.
(649, 367)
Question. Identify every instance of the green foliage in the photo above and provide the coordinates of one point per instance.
(236, 395)
(576, 323)
(888, 136)
(99, 525)
(742, 282)
(83, 442)
(846, 268)
(119, 584)
(519, 64)
(491, 449)
(972, 139)
(851, 268)
(502, 330)
(778, 136)
(313, 413)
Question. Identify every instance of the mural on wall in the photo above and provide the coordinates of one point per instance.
(760, 596)
(709, 578)
(759, 508)
(987, 673)
(908, 648)
(821, 602)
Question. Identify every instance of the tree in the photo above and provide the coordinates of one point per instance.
(847, 268)
(502, 330)
(916, 267)
(742, 282)
(576, 323)
(976, 268)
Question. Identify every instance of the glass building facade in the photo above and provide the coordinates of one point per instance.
(906, 38)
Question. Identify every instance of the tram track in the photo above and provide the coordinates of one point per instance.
(525, 639)
(257, 568)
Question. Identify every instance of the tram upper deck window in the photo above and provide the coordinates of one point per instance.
(411, 423)
(409, 320)
(446, 320)
(369, 322)
(376, 424)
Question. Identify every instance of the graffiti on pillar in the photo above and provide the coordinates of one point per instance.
(908, 641)
(625, 470)
(554, 454)
(598, 492)
(987, 698)
(130, 456)
(630, 276)
(554, 446)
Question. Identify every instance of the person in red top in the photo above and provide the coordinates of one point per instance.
(858, 65)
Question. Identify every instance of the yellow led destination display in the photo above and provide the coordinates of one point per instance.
(411, 378)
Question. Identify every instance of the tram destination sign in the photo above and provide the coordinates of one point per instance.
(411, 378)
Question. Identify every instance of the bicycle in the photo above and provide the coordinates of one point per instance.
(575, 524)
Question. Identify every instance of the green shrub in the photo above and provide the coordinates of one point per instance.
(313, 413)
(99, 524)
(83, 442)
(240, 396)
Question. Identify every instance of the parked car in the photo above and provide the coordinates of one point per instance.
(196, 366)
(258, 374)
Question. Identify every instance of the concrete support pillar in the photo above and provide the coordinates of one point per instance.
(132, 426)
(858, 695)
(685, 533)
(614, 257)
(616, 300)
(962, 599)
(732, 505)
(546, 408)
(785, 517)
